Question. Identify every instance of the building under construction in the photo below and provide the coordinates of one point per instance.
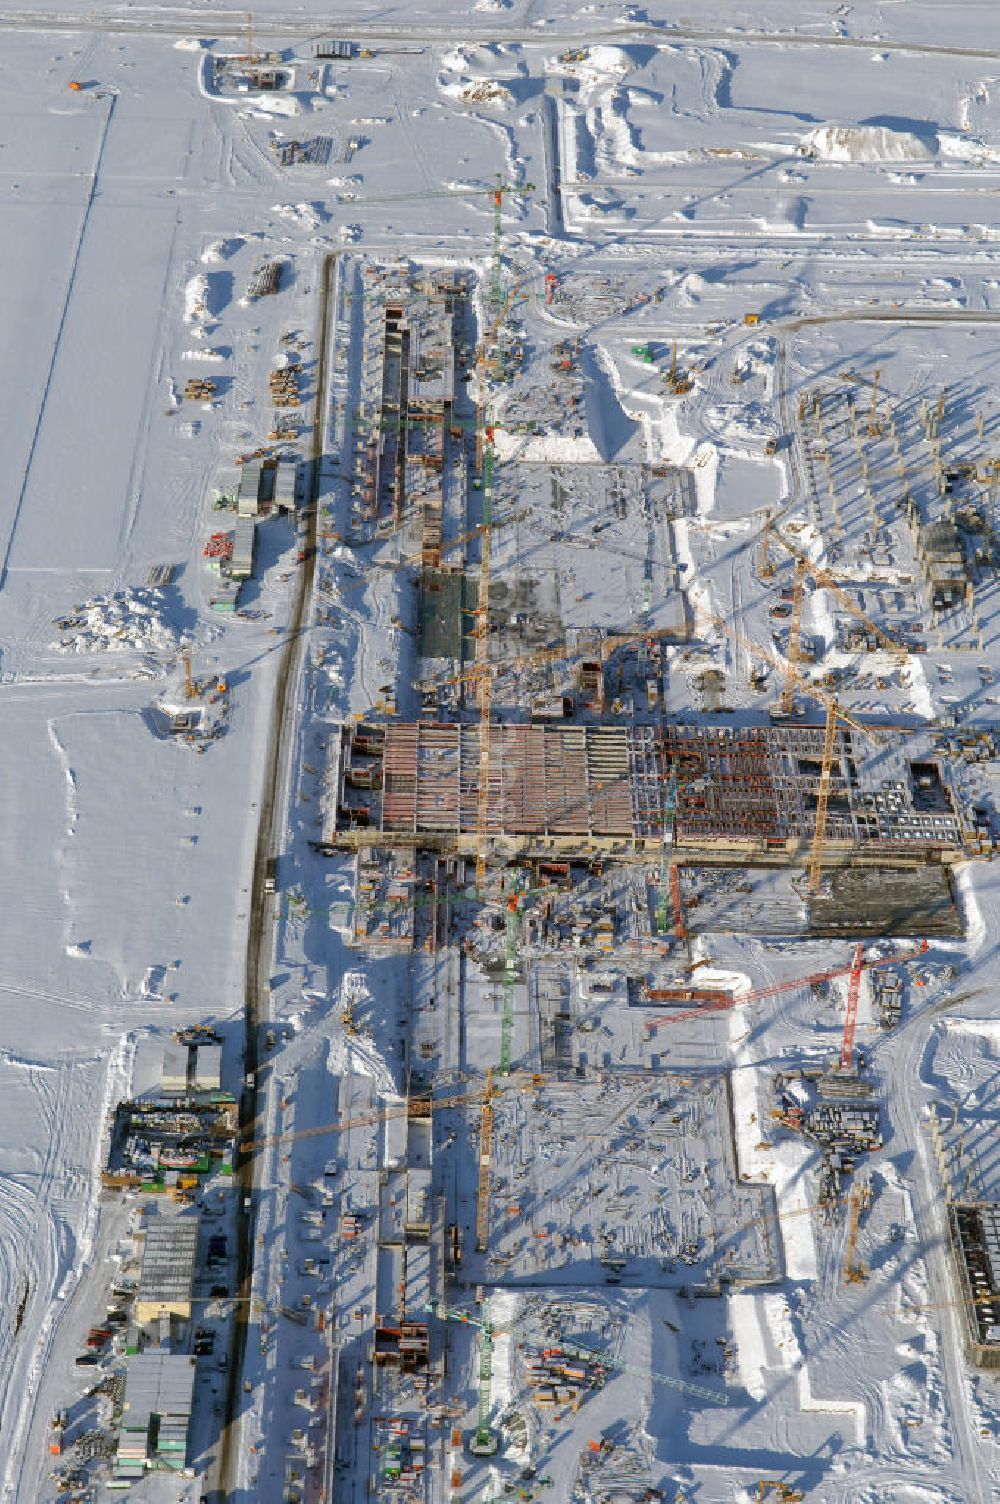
(975, 1239)
(607, 789)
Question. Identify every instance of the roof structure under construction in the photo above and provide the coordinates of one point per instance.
(752, 788)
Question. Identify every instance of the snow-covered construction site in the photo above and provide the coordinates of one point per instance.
(499, 653)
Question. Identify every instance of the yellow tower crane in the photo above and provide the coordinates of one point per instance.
(855, 1272)
(787, 703)
(826, 580)
(835, 717)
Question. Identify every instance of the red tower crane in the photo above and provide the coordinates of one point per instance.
(710, 1001)
(851, 1016)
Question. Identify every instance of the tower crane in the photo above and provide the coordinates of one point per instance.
(413, 1107)
(484, 682)
(826, 580)
(475, 190)
(667, 867)
(484, 1441)
(851, 1016)
(765, 566)
(729, 1000)
(485, 1179)
(855, 1272)
(573, 1348)
(484, 679)
(834, 716)
(511, 917)
(787, 702)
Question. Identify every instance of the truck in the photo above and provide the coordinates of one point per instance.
(271, 875)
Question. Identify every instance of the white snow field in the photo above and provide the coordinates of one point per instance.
(748, 274)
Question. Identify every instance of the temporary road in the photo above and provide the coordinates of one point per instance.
(259, 934)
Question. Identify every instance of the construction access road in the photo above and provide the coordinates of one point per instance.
(270, 823)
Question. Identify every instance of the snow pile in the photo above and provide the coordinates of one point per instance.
(221, 250)
(740, 427)
(547, 448)
(126, 621)
(458, 81)
(782, 1162)
(475, 90)
(196, 299)
(307, 216)
(867, 143)
(504, 1308)
(602, 60)
(691, 290)
(751, 1347)
(277, 104)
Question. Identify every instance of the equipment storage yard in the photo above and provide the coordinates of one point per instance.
(499, 641)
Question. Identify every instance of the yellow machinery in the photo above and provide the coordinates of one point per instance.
(484, 679)
(875, 425)
(794, 630)
(765, 567)
(855, 1272)
(826, 580)
(834, 715)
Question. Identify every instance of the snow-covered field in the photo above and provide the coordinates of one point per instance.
(765, 200)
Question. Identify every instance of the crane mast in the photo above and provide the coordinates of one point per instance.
(851, 1016)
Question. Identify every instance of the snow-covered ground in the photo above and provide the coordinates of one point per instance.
(766, 200)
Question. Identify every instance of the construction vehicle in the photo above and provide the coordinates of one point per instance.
(75, 85)
(751, 318)
(57, 1432)
(784, 1491)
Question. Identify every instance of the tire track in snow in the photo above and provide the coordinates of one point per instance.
(69, 1197)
